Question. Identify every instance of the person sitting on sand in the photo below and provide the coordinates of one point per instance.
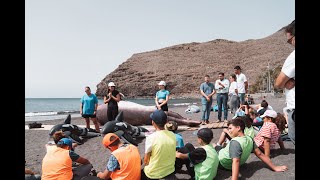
(261, 108)
(238, 150)
(256, 119)
(173, 127)
(160, 150)
(248, 131)
(270, 132)
(57, 163)
(124, 162)
(205, 159)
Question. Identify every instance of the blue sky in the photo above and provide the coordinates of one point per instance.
(76, 43)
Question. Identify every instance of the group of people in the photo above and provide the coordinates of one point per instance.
(165, 152)
(232, 91)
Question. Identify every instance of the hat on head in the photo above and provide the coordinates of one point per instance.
(159, 117)
(65, 141)
(269, 113)
(111, 84)
(205, 134)
(106, 139)
(162, 83)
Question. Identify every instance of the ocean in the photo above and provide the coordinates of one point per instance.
(41, 109)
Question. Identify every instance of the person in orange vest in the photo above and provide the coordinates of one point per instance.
(124, 162)
(57, 163)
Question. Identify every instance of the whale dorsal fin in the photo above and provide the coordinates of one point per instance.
(119, 117)
(68, 119)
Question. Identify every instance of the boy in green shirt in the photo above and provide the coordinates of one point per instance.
(205, 159)
(239, 149)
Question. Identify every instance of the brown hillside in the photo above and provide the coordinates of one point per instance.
(183, 66)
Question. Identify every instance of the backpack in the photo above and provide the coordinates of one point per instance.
(34, 125)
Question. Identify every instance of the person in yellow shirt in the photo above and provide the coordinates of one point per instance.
(160, 150)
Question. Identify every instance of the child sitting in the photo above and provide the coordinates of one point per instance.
(173, 126)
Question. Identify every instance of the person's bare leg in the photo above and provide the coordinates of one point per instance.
(87, 122)
(96, 125)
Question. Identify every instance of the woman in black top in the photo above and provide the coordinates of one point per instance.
(112, 98)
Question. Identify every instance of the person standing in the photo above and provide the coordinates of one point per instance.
(88, 108)
(124, 162)
(286, 81)
(242, 83)
(112, 98)
(222, 89)
(162, 97)
(207, 91)
(233, 94)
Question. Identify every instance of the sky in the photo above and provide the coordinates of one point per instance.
(76, 43)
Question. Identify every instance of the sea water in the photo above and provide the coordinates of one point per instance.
(40, 109)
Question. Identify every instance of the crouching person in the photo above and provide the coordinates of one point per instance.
(57, 163)
(124, 162)
(205, 159)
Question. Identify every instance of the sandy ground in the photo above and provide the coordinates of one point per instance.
(93, 150)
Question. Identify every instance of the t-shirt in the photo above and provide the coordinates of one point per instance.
(238, 147)
(179, 141)
(112, 102)
(162, 94)
(225, 83)
(288, 69)
(269, 130)
(88, 103)
(207, 88)
(232, 88)
(162, 145)
(241, 78)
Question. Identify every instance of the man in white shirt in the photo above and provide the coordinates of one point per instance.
(222, 89)
(242, 83)
(286, 81)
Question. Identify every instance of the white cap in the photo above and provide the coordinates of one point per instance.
(111, 84)
(162, 83)
(269, 113)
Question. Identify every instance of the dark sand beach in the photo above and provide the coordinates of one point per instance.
(98, 155)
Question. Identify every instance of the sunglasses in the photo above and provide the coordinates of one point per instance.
(290, 40)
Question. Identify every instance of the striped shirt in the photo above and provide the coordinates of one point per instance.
(268, 130)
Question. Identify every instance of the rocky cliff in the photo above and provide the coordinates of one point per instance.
(183, 66)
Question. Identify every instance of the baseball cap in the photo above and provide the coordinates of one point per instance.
(205, 134)
(159, 117)
(269, 113)
(65, 141)
(106, 139)
(162, 83)
(111, 84)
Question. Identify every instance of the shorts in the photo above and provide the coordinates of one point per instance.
(164, 107)
(88, 115)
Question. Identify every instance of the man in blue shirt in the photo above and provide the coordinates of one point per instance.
(88, 108)
(207, 91)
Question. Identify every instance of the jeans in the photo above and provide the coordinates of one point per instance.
(206, 108)
(222, 99)
(292, 125)
(241, 95)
